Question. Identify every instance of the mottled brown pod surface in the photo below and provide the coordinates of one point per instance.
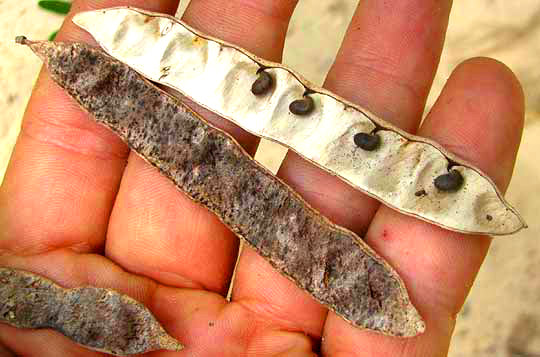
(331, 263)
(321, 127)
(98, 319)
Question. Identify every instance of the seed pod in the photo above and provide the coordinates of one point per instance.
(263, 84)
(331, 263)
(216, 76)
(368, 142)
(98, 319)
(302, 106)
(449, 182)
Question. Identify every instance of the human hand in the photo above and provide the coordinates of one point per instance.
(76, 213)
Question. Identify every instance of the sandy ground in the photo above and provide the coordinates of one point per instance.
(501, 316)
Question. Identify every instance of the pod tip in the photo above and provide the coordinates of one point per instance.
(21, 40)
(169, 343)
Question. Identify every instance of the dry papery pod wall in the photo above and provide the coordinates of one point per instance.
(411, 174)
(98, 319)
(331, 263)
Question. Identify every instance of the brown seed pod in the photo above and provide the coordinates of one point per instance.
(331, 263)
(217, 74)
(302, 106)
(98, 319)
(263, 84)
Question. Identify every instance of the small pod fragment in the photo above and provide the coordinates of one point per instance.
(98, 319)
(217, 75)
(331, 263)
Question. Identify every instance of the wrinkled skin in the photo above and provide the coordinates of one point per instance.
(78, 207)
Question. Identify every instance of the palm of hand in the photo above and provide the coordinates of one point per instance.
(74, 211)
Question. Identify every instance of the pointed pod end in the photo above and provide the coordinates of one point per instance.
(403, 321)
(416, 324)
(406, 323)
(43, 49)
(169, 343)
(21, 40)
(524, 224)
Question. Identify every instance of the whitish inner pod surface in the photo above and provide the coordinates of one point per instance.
(210, 167)
(219, 76)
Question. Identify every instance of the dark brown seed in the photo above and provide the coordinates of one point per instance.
(302, 106)
(489, 217)
(449, 182)
(262, 84)
(331, 263)
(99, 319)
(368, 142)
(420, 193)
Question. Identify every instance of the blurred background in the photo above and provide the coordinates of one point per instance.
(502, 314)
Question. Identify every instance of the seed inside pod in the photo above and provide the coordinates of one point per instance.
(262, 84)
(368, 142)
(302, 106)
(449, 182)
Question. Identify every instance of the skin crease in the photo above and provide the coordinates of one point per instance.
(78, 208)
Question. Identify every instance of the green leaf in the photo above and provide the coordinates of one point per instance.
(59, 7)
(52, 36)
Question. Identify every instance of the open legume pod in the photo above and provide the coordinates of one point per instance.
(411, 174)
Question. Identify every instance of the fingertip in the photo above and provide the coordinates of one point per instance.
(491, 71)
(341, 339)
(266, 22)
(479, 116)
(56, 161)
(70, 32)
(273, 298)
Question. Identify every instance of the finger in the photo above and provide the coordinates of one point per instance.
(71, 270)
(43, 343)
(157, 232)
(259, 26)
(259, 288)
(65, 170)
(479, 116)
(203, 321)
(386, 64)
(389, 57)
(333, 198)
(4, 352)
